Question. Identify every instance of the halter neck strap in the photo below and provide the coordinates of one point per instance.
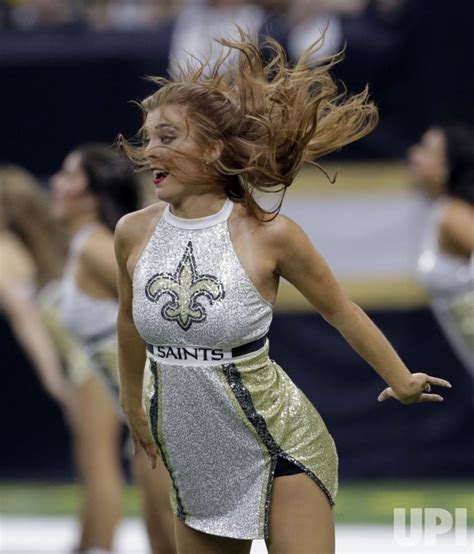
(199, 222)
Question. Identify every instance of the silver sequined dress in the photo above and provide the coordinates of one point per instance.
(219, 418)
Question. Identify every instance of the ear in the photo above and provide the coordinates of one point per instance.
(214, 153)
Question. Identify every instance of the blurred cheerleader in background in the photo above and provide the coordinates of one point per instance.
(92, 190)
(34, 297)
(442, 166)
(32, 253)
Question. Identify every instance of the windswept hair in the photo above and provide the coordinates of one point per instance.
(111, 178)
(270, 116)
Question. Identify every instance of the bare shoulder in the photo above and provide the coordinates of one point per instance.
(272, 230)
(132, 227)
(134, 223)
(281, 233)
(457, 225)
(133, 232)
(97, 246)
(458, 208)
(277, 240)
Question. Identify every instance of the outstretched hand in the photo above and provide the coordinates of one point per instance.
(141, 436)
(420, 390)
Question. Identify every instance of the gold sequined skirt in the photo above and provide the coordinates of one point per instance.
(76, 362)
(221, 429)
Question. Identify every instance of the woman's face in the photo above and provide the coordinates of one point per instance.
(177, 161)
(427, 163)
(69, 189)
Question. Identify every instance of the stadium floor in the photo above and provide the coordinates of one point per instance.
(56, 535)
(38, 518)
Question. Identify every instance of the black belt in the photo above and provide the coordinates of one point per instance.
(249, 347)
(236, 352)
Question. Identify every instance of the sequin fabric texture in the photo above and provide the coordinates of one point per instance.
(89, 319)
(82, 327)
(81, 359)
(75, 359)
(219, 427)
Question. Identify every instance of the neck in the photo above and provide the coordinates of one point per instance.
(74, 225)
(193, 207)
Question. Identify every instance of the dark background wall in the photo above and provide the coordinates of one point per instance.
(63, 86)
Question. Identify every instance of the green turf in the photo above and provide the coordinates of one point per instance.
(361, 502)
(373, 502)
(52, 499)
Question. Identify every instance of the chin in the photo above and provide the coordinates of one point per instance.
(165, 194)
(161, 195)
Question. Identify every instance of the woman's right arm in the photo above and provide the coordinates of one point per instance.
(131, 348)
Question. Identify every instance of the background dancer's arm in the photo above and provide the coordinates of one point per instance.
(299, 263)
(131, 353)
(28, 328)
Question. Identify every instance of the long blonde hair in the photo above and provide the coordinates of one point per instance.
(25, 209)
(270, 117)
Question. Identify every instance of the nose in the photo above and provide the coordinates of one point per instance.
(152, 150)
(148, 151)
(149, 147)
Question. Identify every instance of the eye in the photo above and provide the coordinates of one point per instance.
(166, 139)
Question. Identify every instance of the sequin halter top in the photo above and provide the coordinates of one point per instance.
(441, 273)
(91, 320)
(190, 289)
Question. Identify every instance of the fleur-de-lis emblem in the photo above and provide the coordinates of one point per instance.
(185, 287)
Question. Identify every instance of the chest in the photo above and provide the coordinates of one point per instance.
(189, 287)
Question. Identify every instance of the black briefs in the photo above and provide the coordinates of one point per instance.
(284, 467)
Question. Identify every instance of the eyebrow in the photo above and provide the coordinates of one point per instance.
(161, 125)
(146, 128)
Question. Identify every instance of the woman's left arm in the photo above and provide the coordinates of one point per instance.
(298, 262)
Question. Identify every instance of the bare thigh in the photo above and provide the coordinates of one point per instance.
(190, 541)
(301, 518)
(96, 439)
(154, 487)
(98, 430)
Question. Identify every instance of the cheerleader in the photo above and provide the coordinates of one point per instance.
(248, 455)
(442, 166)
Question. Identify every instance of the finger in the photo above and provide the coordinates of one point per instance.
(430, 398)
(151, 453)
(439, 382)
(135, 445)
(387, 393)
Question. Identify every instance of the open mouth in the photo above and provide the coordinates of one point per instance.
(159, 176)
